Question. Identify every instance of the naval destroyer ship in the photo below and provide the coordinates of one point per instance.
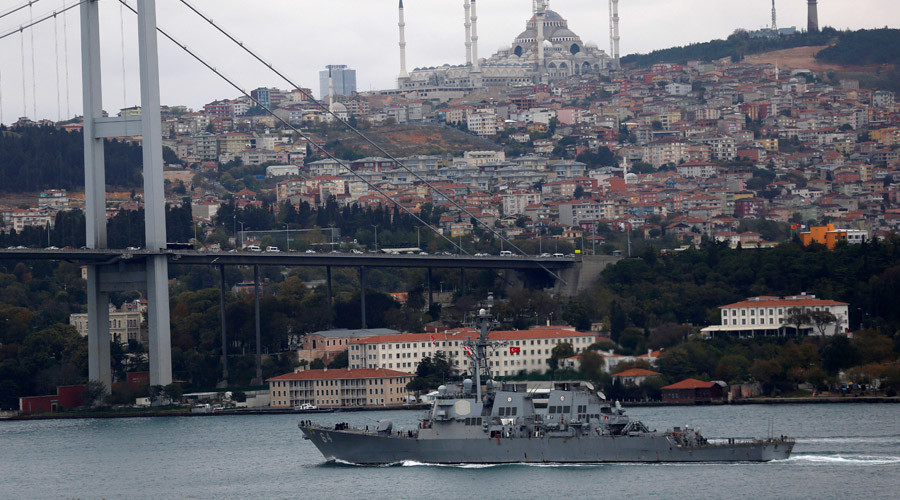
(506, 423)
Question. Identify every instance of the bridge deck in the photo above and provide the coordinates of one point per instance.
(290, 259)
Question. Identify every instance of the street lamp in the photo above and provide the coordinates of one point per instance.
(287, 238)
(376, 236)
(418, 239)
(242, 235)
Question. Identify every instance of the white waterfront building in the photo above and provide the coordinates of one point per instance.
(769, 315)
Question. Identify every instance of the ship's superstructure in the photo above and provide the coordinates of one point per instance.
(507, 423)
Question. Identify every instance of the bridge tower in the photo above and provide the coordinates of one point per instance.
(152, 274)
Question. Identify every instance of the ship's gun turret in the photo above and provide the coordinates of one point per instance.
(385, 426)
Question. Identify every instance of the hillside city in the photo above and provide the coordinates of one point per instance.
(678, 171)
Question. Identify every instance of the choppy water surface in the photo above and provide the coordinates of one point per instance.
(842, 452)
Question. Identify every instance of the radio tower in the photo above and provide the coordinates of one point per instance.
(774, 20)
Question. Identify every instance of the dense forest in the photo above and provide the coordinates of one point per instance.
(124, 230)
(687, 287)
(864, 47)
(736, 46)
(37, 158)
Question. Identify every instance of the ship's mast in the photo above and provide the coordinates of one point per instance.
(479, 346)
(480, 355)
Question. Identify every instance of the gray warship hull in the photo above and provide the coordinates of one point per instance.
(372, 448)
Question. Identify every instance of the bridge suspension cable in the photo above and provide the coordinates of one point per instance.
(20, 7)
(364, 137)
(302, 134)
(39, 20)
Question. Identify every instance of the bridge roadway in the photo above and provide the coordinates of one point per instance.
(194, 257)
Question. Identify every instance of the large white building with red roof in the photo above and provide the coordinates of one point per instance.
(526, 350)
(339, 388)
(769, 316)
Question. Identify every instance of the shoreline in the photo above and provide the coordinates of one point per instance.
(278, 411)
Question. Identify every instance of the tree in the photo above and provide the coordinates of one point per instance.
(94, 393)
(796, 317)
(173, 391)
(562, 350)
(839, 354)
(340, 361)
(821, 320)
(317, 364)
(591, 364)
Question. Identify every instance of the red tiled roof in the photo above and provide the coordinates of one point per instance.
(690, 383)
(340, 373)
(544, 332)
(636, 372)
(795, 301)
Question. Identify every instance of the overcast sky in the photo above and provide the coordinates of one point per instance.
(300, 37)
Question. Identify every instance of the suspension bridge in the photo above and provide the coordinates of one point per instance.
(146, 269)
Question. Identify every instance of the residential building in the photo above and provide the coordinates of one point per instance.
(339, 388)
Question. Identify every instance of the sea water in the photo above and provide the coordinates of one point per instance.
(843, 451)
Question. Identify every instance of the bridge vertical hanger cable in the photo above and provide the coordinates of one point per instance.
(33, 77)
(22, 50)
(66, 58)
(122, 32)
(356, 131)
(56, 65)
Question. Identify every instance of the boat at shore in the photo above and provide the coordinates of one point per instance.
(506, 423)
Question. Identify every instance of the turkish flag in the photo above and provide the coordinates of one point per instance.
(515, 350)
(468, 350)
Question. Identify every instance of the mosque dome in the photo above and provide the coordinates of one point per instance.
(591, 45)
(337, 107)
(563, 33)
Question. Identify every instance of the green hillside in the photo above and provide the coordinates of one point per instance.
(36, 158)
(863, 47)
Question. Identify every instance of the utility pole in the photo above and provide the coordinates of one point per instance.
(376, 236)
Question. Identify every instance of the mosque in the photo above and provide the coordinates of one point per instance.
(547, 51)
